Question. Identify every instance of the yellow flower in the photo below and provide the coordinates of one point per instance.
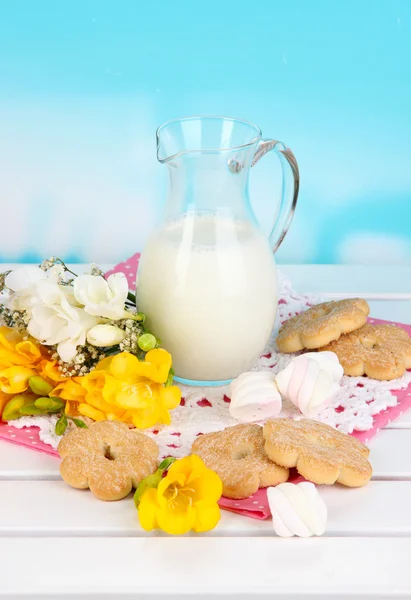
(135, 387)
(185, 499)
(118, 390)
(97, 400)
(156, 366)
(48, 370)
(73, 392)
(16, 351)
(14, 380)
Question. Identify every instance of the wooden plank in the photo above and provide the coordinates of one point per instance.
(391, 310)
(355, 280)
(390, 457)
(18, 462)
(44, 508)
(403, 422)
(355, 568)
(391, 454)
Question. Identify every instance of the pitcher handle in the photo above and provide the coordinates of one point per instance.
(289, 195)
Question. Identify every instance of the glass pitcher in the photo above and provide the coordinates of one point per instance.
(207, 277)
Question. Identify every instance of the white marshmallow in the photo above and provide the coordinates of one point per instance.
(297, 509)
(310, 381)
(254, 397)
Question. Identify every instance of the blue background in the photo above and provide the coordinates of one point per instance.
(84, 84)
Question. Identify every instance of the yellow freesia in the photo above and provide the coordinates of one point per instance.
(120, 389)
(14, 380)
(185, 499)
(48, 370)
(156, 366)
(16, 351)
(73, 392)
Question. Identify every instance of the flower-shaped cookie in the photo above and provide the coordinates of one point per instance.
(107, 457)
(320, 453)
(379, 351)
(237, 455)
(321, 324)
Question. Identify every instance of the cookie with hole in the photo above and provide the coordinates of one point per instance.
(320, 453)
(321, 324)
(108, 458)
(237, 455)
(381, 351)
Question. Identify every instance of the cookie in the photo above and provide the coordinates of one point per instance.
(379, 351)
(321, 454)
(107, 457)
(237, 455)
(321, 324)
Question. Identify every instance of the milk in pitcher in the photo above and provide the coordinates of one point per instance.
(207, 285)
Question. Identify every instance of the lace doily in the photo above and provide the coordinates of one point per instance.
(204, 410)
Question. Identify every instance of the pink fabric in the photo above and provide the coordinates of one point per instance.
(256, 506)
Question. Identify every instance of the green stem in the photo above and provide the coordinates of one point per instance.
(65, 267)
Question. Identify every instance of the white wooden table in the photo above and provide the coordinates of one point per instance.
(56, 542)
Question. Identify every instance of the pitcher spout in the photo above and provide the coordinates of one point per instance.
(204, 135)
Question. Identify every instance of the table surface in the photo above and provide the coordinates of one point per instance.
(56, 542)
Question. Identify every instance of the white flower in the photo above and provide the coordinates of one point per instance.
(24, 281)
(100, 297)
(105, 335)
(55, 321)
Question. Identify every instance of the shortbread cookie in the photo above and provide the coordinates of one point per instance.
(237, 455)
(379, 351)
(107, 457)
(321, 453)
(321, 324)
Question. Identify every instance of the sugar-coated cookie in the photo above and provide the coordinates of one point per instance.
(237, 455)
(320, 453)
(107, 457)
(321, 324)
(379, 351)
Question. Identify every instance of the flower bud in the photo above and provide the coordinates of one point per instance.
(12, 409)
(105, 335)
(39, 386)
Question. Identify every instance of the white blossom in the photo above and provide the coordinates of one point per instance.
(55, 321)
(100, 297)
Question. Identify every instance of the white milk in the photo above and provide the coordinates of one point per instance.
(208, 288)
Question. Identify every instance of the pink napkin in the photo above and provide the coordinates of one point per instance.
(256, 506)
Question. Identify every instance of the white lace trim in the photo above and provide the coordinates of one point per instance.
(206, 409)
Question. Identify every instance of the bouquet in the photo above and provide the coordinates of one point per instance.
(75, 346)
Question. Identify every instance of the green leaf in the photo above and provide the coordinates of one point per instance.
(153, 480)
(166, 463)
(61, 425)
(170, 378)
(78, 422)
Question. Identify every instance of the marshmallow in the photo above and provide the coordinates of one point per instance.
(297, 509)
(254, 397)
(310, 381)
